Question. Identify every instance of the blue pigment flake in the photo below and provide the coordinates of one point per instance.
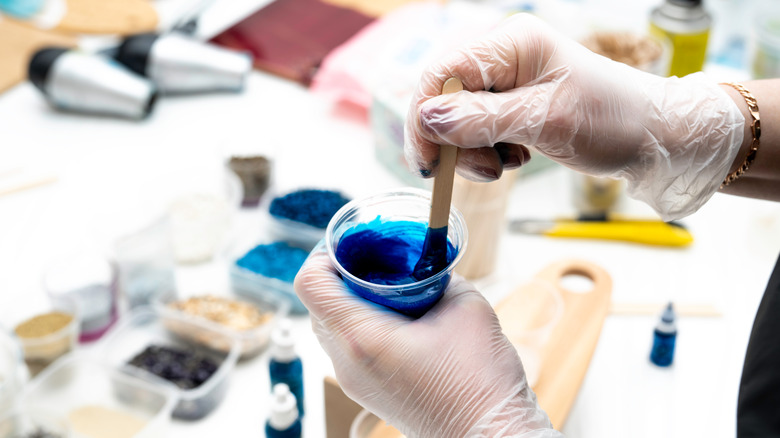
(309, 206)
(274, 260)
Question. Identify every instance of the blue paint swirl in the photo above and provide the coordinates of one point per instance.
(383, 252)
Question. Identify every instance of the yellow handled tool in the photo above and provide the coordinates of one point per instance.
(648, 232)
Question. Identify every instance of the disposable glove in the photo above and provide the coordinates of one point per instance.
(672, 139)
(450, 373)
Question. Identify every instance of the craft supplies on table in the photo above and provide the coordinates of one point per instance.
(145, 263)
(44, 337)
(300, 216)
(368, 425)
(285, 365)
(90, 281)
(266, 270)
(375, 243)
(90, 83)
(284, 420)
(248, 320)
(13, 371)
(146, 328)
(255, 172)
(82, 389)
(664, 337)
(21, 423)
(685, 25)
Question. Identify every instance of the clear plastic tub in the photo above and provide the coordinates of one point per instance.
(23, 423)
(90, 281)
(13, 372)
(145, 327)
(298, 233)
(249, 284)
(40, 352)
(251, 341)
(76, 382)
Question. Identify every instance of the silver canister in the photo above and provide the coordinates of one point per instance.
(179, 64)
(90, 83)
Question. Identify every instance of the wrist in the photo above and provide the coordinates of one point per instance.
(747, 135)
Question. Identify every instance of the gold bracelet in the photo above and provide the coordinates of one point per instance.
(755, 127)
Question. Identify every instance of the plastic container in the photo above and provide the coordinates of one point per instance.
(766, 42)
(251, 342)
(40, 352)
(25, 423)
(145, 327)
(90, 281)
(146, 264)
(252, 285)
(298, 233)
(396, 205)
(368, 425)
(13, 372)
(75, 382)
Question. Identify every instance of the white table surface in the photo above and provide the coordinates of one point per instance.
(108, 169)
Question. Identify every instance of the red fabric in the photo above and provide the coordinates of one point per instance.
(290, 38)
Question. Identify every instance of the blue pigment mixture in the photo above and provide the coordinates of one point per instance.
(385, 253)
(274, 260)
(309, 206)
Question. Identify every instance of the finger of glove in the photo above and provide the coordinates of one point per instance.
(472, 120)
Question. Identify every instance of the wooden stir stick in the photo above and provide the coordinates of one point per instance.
(442, 184)
(434, 254)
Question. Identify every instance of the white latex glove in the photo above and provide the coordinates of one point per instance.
(451, 373)
(672, 139)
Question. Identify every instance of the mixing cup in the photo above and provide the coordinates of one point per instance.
(400, 215)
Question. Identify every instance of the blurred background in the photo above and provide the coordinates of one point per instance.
(158, 155)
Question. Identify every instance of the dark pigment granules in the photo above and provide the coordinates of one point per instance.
(309, 206)
(186, 369)
(277, 260)
(255, 175)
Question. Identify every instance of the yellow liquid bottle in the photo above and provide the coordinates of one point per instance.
(685, 26)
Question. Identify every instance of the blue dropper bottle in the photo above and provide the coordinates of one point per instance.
(664, 338)
(285, 365)
(283, 421)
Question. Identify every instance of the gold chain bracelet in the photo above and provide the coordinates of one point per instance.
(755, 128)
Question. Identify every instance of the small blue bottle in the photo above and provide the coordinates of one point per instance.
(283, 422)
(664, 338)
(285, 365)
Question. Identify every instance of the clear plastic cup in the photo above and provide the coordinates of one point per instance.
(91, 282)
(528, 324)
(40, 351)
(406, 204)
(13, 372)
(25, 423)
(368, 425)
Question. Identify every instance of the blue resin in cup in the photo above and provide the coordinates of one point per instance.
(376, 242)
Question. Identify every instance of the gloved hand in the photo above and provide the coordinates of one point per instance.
(672, 139)
(450, 373)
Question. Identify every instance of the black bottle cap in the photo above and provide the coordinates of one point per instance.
(686, 3)
(134, 51)
(40, 65)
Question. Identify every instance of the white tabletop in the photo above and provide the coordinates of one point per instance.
(108, 171)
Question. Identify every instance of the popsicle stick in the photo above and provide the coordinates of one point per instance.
(442, 184)
(691, 310)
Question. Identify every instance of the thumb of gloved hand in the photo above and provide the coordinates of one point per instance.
(449, 373)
